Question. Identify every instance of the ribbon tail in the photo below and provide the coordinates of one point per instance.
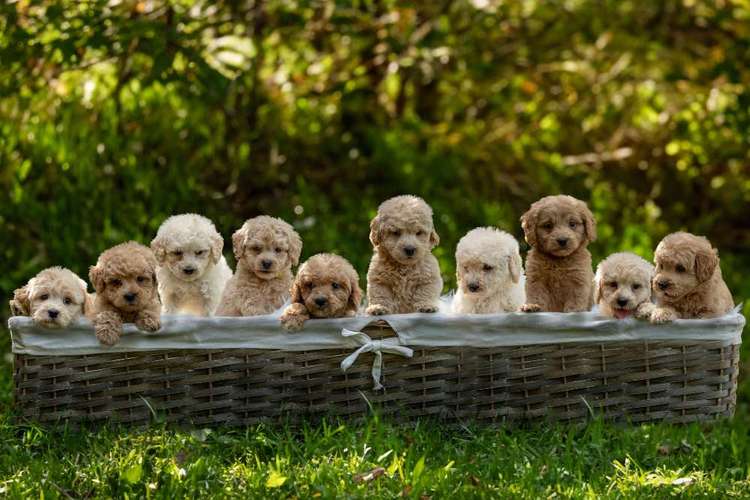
(377, 370)
(348, 361)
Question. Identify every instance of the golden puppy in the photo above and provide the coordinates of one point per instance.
(404, 276)
(688, 282)
(53, 298)
(622, 286)
(126, 291)
(326, 286)
(266, 248)
(559, 277)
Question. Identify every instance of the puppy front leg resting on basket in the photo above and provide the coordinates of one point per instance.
(108, 327)
(380, 300)
(537, 298)
(148, 321)
(663, 315)
(294, 317)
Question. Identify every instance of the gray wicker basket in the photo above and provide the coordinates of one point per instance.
(499, 368)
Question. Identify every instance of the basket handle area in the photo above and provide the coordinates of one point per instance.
(390, 345)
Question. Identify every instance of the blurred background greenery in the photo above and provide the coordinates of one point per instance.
(115, 114)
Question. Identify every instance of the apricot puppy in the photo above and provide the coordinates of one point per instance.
(126, 291)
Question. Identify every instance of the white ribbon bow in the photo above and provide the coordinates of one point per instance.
(378, 347)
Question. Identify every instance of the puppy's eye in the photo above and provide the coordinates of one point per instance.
(420, 233)
(309, 285)
(257, 249)
(680, 268)
(487, 268)
(44, 296)
(198, 253)
(141, 279)
(67, 301)
(335, 286)
(177, 253)
(116, 282)
(278, 250)
(636, 286)
(548, 225)
(396, 233)
(573, 224)
(612, 284)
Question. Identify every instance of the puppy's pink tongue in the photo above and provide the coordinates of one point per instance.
(622, 313)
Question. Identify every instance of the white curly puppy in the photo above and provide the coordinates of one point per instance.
(192, 271)
(489, 273)
(622, 286)
(53, 298)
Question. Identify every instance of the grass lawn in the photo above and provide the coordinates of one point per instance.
(379, 459)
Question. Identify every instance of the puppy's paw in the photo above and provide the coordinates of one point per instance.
(293, 322)
(663, 315)
(427, 309)
(148, 323)
(644, 310)
(107, 334)
(376, 310)
(531, 308)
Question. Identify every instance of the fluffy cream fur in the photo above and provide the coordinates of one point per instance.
(266, 248)
(53, 298)
(489, 273)
(403, 276)
(126, 291)
(622, 286)
(688, 282)
(192, 272)
(326, 286)
(559, 277)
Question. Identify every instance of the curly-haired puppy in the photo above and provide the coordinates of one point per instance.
(53, 298)
(192, 271)
(559, 277)
(266, 248)
(404, 276)
(622, 286)
(326, 286)
(688, 282)
(489, 273)
(126, 291)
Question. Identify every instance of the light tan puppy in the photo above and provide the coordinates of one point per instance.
(404, 276)
(266, 248)
(53, 298)
(192, 271)
(326, 286)
(688, 282)
(559, 277)
(126, 291)
(622, 286)
(489, 273)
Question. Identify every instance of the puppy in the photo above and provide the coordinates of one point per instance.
(192, 271)
(326, 286)
(622, 286)
(558, 266)
(53, 298)
(266, 248)
(688, 282)
(126, 291)
(403, 276)
(489, 273)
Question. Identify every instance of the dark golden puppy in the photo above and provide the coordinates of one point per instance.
(688, 282)
(126, 291)
(559, 277)
(326, 286)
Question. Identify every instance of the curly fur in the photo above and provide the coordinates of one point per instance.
(559, 277)
(326, 286)
(126, 291)
(622, 286)
(688, 281)
(489, 273)
(403, 276)
(192, 272)
(266, 248)
(53, 298)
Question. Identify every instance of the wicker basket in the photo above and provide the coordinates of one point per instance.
(500, 368)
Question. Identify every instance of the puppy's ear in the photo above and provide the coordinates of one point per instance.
(514, 267)
(159, 248)
(295, 246)
(528, 224)
(705, 264)
(589, 222)
(355, 295)
(217, 247)
(238, 242)
(434, 239)
(598, 286)
(96, 276)
(296, 291)
(20, 305)
(88, 301)
(375, 231)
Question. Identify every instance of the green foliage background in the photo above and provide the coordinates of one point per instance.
(114, 115)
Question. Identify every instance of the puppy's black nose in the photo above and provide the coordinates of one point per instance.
(53, 313)
(321, 301)
(266, 263)
(473, 287)
(410, 250)
(130, 297)
(563, 242)
(663, 285)
(188, 270)
(622, 302)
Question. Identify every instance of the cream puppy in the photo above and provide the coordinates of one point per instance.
(622, 286)
(53, 298)
(489, 273)
(192, 271)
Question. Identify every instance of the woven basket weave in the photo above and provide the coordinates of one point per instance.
(636, 380)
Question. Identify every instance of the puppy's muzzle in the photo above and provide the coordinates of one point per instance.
(130, 297)
(622, 302)
(562, 242)
(321, 301)
(474, 287)
(53, 313)
(188, 270)
(410, 251)
(266, 264)
(663, 284)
